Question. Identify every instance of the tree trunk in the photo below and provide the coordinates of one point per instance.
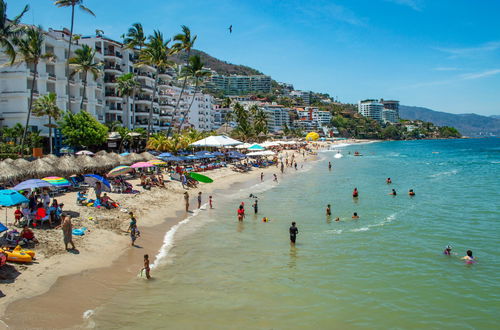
(180, 96)
(50, 134)
(133, 108)
(69, 53)
(84, 89)
(189, 109)
(150, 121)
(29, 108)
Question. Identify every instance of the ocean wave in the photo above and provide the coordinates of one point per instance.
(445, 173)
(387, 220)
(168, 239)
(359, 229)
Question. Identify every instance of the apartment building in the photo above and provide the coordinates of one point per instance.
(239, 85)
(102, 99)
(277, 117)
(372, 109)
(391, 111)
(305, 96)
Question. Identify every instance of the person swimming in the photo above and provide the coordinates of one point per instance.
(411, 192)
(355, 215)
(328, 210)
(393, 192)
(355, 193)
(447, 250)
(265, 219)
(469, 259)
(337, 219)
(388, 181)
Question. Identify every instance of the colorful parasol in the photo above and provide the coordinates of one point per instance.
(142, 165)
(57, 181)
(120, 170)
(157, 162)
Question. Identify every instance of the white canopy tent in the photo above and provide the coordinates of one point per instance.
(268, 144)
(261, 153)
(216, 141)
(243, 146)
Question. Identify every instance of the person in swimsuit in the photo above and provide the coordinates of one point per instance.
(355, 193)
(199, 199)
(67, 229)
(186, 200)
(337, 219)
(293, 233)
(388, 181)
(355, 215)
(261, 176)
(447, 251)
(329, 166)
(241, 213)
(328, 210)
(275, 178)
(469, 259)
(210, 202)
(146, 266)
(256, 206)
(411, 192)
(393, 192)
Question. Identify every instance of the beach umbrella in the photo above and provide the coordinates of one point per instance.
(40, 168)
(262, 153)
(235, 154)
(313, 136)
(256, 147)
(216, 141)
(9, 171)
(123, 154)
(92, 179)
(101, 152)
(120, 170)
(57, 181)
(147, 156)
(105, 162)
(157, 162)
(86, 163)
(243, 146)
(174, 159)
(33, 184)
(165, 154)
(66, 150)
(142, 165)
(8, 160)
(84, 152)
(3, 228)
(11, 197)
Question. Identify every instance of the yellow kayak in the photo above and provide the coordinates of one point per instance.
(19, 255)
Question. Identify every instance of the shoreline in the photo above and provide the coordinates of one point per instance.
(121, 262)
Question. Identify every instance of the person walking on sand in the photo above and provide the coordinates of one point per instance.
(261, 176)
(282, 167)
(275, 178)
(67, 229)
(199, 199)
(293, 233)
(146, 266)
(186, 200)
(210, 202)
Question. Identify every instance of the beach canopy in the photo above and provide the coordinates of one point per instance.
(57, 182)
(165, 154)
(235, 154)
(67, 166)
(268, 144)
(9, 171)
(313, 136)
(216, 141)
(243, 146)
(147, 156)
(92, 179)
(262, 153)
(174, 159)
(33, 184)
(2, 228)
(217, 153)
(123, 154)
(120, 170)
(142, 165)
(85, 152)
(11, 197)
(256, 147)
(40, 168)
(157, 162)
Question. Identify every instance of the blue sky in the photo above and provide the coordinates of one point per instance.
(441, 54)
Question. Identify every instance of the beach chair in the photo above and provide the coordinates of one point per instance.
(11, 238)
(41, 216)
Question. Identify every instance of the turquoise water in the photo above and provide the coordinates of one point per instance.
(385, 270)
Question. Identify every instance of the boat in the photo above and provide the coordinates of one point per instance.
(356, 153)
(19, 255)
(200, 178)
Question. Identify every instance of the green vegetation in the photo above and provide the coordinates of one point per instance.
(84, 63)
(46, 106)
(177, 141)
(82, 130)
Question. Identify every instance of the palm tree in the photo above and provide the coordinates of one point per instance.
(135, 37)
(155, 54)
(226, 103)
(260, 121)
(30, 49)
(72, 4)
(244, 128)
(47, 106)
(9, 30)
(193, 70)
(84, 63)
(184, 43)
(127, 87)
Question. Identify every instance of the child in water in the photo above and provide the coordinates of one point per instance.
(210, 202)
(411, 192)
(447, 251)
(146, 266)
(355, 215)
(469, 259)
(328, 210)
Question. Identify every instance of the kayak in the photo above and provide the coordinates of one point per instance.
(19, 255)
(200, 178)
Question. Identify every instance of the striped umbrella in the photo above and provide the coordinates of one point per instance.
(57, 181)
(119, 170)
(142, 165)
(157, 162)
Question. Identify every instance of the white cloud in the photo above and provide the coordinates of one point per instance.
(467, 76)
(479, 75)
(470, 51)
(413, 4)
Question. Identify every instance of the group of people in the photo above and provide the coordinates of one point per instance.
(152, 180)
(38, 209)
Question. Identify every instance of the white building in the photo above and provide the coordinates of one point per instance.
(322, 118)
(371, 109)
(277, 117)
(304, 95)
(101, 99)
(391, 110)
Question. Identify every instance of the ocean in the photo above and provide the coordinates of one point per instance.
(383, 270)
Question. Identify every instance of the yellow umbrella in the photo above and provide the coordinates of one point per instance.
(157, 162)
(313, 136)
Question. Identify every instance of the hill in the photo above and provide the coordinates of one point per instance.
(222, 67)
(468, 124)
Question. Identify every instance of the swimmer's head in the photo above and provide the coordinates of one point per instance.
(448, 247)
(293, 223)
(355, 214)
(146, 256)
(469, 253)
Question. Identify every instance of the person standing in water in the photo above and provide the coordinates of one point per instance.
(355, 215)
(355, 193)
(393, 192)
(275, 178)
(210, 202)
(411, 193)
(186, 200)
(328, 210)
(447, 251)
(146, 266)
(388, 181)
(261, 176)
(241, 213)
(199, 199)
(293, 233)
(469, 258)
(256, 206)
(329, 166)
(282, 167)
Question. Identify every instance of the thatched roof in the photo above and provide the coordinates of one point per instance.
(40, 168)
(86, 163)
(9, 171)
(9, 160)
(67, 166)
(224, 129)
(105, 162)
(130, 159)
(102, 152)
(147, 156)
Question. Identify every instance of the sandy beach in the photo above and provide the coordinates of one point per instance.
(67, 284)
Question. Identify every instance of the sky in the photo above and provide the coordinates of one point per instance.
(440, 54)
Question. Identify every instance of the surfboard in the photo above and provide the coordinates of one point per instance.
(200, 178)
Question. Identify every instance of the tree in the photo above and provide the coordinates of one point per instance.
(30, 48)
(47, 106)
(243, 128)
(226, 103)
(260, 122)
(127, 87)
(72, 4)
(135, 37)
(195, 71)
(84, 63)
(155, 54)
(82, 130)
(10, 30)
(184, 42)
(391, 132)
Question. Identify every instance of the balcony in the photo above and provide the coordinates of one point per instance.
(113, 69)
(112, 54)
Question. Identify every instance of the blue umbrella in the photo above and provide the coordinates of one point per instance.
(174, 159)
(217, 153)
(32, 184)
(92, 179)
(11, 197)
(125, 154)
(165, 154)
(2, 228)
(235, 154)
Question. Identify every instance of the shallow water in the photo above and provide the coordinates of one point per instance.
(385, 270)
